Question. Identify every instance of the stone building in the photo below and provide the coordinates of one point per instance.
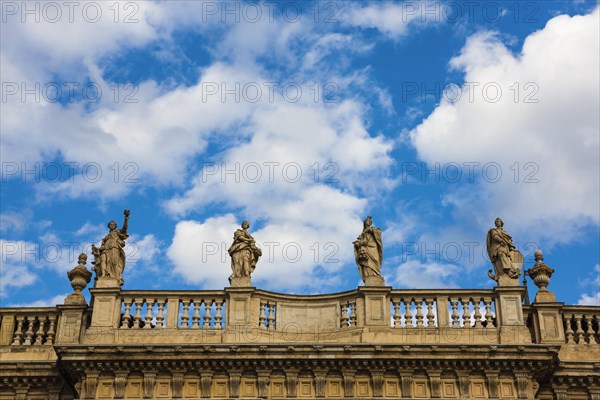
(242, 342)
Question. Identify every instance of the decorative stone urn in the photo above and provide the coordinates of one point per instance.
(540, 274)
(80, 277)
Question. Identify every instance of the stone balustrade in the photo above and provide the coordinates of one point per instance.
(443, 308)
(29, 327)
(581, 324)
(172, 309)
(246, 342)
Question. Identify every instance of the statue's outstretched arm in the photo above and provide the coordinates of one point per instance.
(126, 221)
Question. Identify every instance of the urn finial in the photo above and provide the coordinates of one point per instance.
(540, 273)
(79, 277)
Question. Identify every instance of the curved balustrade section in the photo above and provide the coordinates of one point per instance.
(304, 313)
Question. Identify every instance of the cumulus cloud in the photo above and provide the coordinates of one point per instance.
(50, 302)
(392, 19)
(541, 130)
(425, 275)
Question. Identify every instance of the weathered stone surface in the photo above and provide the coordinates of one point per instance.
(244, 255)
(505, 258)
(368, 252)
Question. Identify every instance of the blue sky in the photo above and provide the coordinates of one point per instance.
(303, 118)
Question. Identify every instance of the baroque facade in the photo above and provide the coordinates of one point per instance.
(242, 342)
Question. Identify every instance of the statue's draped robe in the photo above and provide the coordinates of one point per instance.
(369, 252)
(244, 254)
(499, 253)
(113, 254)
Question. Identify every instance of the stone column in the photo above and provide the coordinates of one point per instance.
(106, 310)
(205, 383)
(376, 306)
(406, 383)
(463, 383)
(435, 381)
(320, 381)
(70, 323)
(263, 383)
(7, 329)
(492, 380)
(349, 381)
(241, 314)
(377, 377)
(148, 383)
(235, 376)
(177, 383)
(120, 383)
(90, 384)
(509, 314)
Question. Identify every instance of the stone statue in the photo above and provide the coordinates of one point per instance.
(505, 258)
(244, 255)
(110, 256)
(368, 252)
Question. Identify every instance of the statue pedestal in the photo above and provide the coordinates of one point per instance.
(374, 281)
(106, 282)
(242, 281)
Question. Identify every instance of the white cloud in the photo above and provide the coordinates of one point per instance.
(50, 302)
(417, 275)
(589, 300)
(558, 134)
(392, 19)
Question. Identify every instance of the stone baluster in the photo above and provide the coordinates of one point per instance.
(207, 311)
(271, 316)
(185, 317)
(196, 314)
(51, 330)
(262, 317)
(18, 337)
(137, 319)
(29, 332)
(570, 336)
(149, 306)
(578, 329)
(588, 331)
(597, 334)
(39, 335)
(352, 314)
(477, 315)
(466, 314)
(160, 316)
(489, 317)
(344, 311)
(455, 316)
(397, 321)
(126, 319)
(430, 313)
(219, 315)
(408, 315)
(419, 315)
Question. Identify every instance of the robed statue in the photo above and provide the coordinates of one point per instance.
(368, 252)
(244, 255)
(505, 258)
(110, 256)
